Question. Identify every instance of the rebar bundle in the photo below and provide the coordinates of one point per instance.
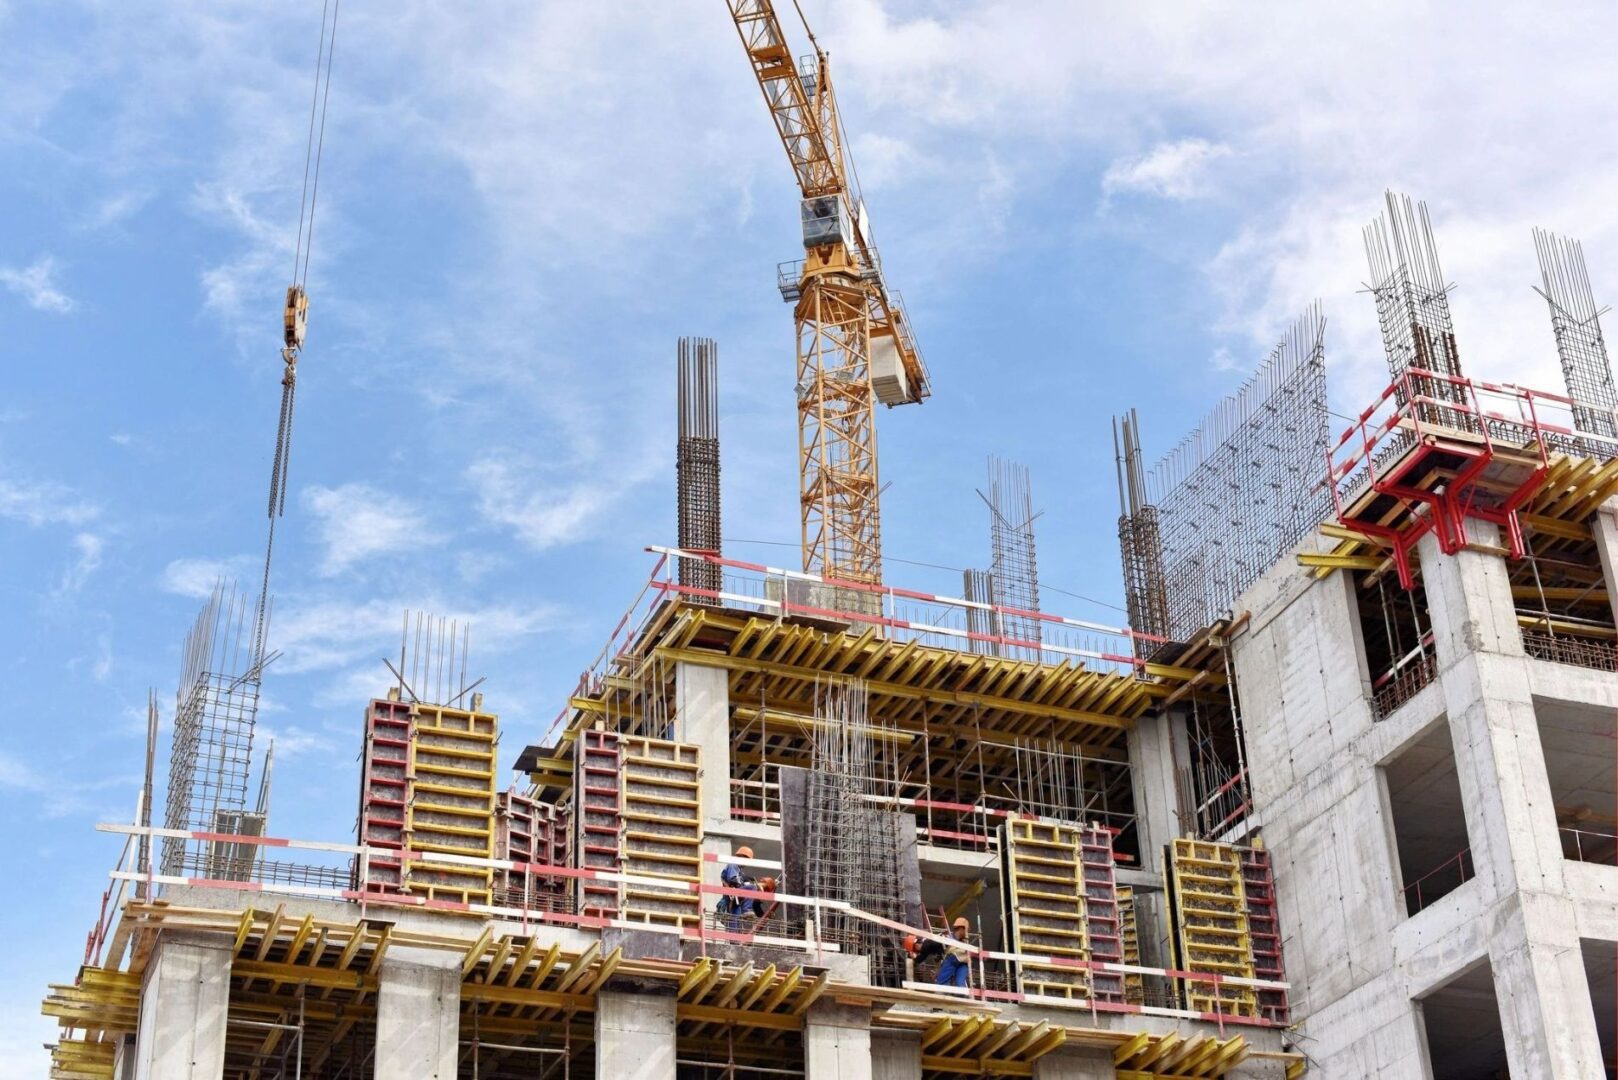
(1412, 305)
(1011, 537)
(854, 847)
(1140, 541)
(1238, 491)
(982, 622)
(214, 711)
(697, 464)
(1576, 322)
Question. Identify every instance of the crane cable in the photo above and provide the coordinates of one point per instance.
(297, 303)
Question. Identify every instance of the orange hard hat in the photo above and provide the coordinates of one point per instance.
(961, 923)
(767, 884)
(910, 943)
(744, 852)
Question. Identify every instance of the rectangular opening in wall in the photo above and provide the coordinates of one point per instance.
(1601, 969)
(1462, 1018)
(1398, 636)
(1561, 597)
(1578, 742)
(1429, 824)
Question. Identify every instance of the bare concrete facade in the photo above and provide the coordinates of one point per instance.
(1388, 981)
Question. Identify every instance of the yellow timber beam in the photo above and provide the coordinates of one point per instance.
(941, 696)
(1341, 562)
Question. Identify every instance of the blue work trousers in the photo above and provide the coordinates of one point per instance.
(952, 972)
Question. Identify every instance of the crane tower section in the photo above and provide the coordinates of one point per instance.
(854, 345)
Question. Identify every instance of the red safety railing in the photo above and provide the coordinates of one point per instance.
(1589, 845)
(1388, 448)
(943, 622)
(1440, 881)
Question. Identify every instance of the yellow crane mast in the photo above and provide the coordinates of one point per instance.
(854, 344)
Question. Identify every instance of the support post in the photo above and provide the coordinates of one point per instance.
(418, 1015)
(635, 1036)
(837, 1043)
(184, 1003)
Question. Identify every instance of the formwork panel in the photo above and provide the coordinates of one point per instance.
(427, 788)
(1129, 933)
(1103, 923)
(1045, 905)
(638, 813)
(451, 808)
(662, 835)
(1258, 887)
(1211, 934)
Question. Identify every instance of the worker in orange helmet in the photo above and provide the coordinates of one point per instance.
(734, 877)
(955, 968)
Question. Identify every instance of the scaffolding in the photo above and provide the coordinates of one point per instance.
(211, 751)
(697, 464)
(1240, 489)
(1576, 322)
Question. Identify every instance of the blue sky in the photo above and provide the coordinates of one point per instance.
(1087, 206)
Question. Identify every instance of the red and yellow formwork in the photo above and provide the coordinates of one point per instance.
(428, 789)
(639, 814)
(1224, 921)
(1062, 905)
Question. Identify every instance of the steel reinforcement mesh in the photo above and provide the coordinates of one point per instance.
(1243, 488)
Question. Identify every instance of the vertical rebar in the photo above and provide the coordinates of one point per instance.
(697, 465)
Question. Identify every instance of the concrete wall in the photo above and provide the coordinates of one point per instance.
(1356, 963)
(183, 1005)
(635, 1036)
(418, 1014)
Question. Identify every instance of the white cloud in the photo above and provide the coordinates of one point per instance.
(1170, 170)
(357, 522)
(541, 517)
(196, 578)
(45, 503)
(88, 549)
(36, 284)
(333, 634)
(293, 741)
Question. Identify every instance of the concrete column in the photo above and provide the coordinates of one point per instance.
(634, 1036)
(1543, 992)
(837, 1043)
(1158, 747)
(1075, 1065)
(1540, 983)
(702, 716)
(895, 1055)
(418, 1015)
(184, 1000)
(123, 1059)
(1469, 597)
(1604, 526)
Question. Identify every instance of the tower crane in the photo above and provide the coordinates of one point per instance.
(854, 343)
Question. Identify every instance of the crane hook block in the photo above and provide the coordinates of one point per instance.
(297, 316)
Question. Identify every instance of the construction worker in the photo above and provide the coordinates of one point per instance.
(734, 877)
(955, 968)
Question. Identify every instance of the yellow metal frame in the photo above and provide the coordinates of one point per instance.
(1212, 935)
(450, 808)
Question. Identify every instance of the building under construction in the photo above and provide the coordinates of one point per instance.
(1336, 802)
